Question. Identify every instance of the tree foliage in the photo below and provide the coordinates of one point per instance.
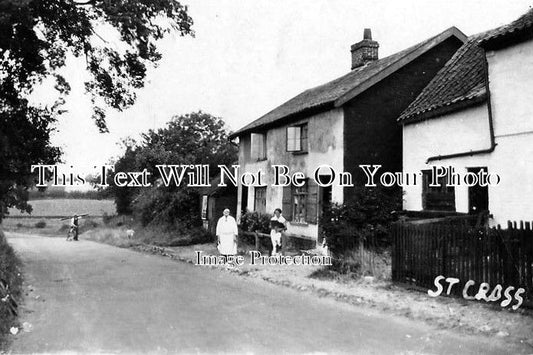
(364, 218)
(255, 221)
(37, 36)
(10, 284)
(195, 138)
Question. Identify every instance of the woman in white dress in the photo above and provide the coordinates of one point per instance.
(227, 234)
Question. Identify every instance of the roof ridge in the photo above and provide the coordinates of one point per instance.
(331, 92)
(524, 21)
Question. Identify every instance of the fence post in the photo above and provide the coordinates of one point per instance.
(256, 241)
(528, 259)
(492, 255)
(443, 244)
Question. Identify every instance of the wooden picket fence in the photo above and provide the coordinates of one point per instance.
(420, 252)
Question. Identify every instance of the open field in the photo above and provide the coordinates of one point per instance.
(46, 215)
(51, 226)
(66, 207)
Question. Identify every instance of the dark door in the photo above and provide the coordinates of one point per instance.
(325, 202)
(478, 196)
(211, 214)
(244, 199)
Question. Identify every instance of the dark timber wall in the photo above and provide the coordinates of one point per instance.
(371, 133)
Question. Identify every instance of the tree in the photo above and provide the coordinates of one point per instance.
(36, 36)
(195, 138)
(128, 162)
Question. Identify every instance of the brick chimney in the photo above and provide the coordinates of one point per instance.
(365, 51)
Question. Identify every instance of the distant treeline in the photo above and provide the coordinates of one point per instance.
(54, 193)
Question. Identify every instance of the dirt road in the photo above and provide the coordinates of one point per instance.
(94, 298)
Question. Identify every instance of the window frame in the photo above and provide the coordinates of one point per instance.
(300, 198)
(301, 137)
(263, 190)
(262, 154)
(430, 194)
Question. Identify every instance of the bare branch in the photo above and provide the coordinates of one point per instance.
(84, 3)
(97, 35)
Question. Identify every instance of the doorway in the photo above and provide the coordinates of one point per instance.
(244, 199)
(478, 196)
(325, 203)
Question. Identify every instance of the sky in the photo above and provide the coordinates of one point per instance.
(250, 56)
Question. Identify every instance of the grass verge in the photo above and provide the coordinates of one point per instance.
(116, 230)
(11, 276)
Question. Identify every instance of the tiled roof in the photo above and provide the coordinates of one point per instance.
(338, 91)
(462, 81)
(516, 28)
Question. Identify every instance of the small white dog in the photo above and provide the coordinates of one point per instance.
(130, 233)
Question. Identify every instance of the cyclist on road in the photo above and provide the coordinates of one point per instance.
(74, 223)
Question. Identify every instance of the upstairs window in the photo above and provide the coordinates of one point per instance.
(297, 138)
(258, 146)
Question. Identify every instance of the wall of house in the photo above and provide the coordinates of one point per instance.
(456, 132)
(325, 132)
(371, 133)
(511, 199)
(511, 79)
(511, 83)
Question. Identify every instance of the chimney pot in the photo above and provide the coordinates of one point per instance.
(365, 51)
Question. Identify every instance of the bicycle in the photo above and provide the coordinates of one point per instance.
(72, 234)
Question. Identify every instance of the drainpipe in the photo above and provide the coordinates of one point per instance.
(491, 127)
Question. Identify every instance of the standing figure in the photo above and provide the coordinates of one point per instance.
(227, 234)
(277, 225)
(74, 223)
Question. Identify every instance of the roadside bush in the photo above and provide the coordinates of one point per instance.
(170, 217)
(255, 221)
(173, 210)
(87, 224)
(362, 222)
(10, 274)
(106, 218)
(40, 224)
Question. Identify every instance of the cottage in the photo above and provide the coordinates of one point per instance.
(343, 123)
(476, 115)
